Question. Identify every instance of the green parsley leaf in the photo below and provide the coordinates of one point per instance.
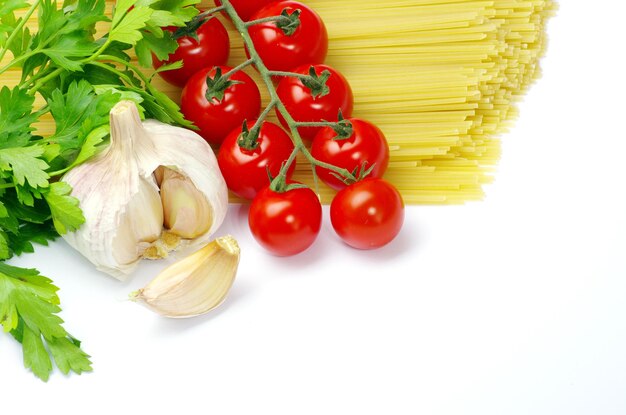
(128, 28)
(25, 164)
(161, 47)
(69, 49)
(70, 110)
(68, 356)
(28, 233)
(16, 117)
(66, 214)
(28, 309)
(5, 253)
(36, 357)
(90, 146)
(9, 6)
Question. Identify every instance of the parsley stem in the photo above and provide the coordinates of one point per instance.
(41, 82)
(111, 69)
(134, 68)
(18, 28)
(6, 185)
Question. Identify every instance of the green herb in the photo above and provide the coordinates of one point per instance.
(80, 77)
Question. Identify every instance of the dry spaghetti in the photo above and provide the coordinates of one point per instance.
(440, 77)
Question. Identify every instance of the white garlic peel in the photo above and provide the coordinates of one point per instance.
(194, 285)
(122, 201)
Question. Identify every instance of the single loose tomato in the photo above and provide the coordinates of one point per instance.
(245, 8)
(282, 50)
(218, 110)
(285, 223)
(245, 169)
(367, 214)
(365, 149)
(304, 106)
(203, 43)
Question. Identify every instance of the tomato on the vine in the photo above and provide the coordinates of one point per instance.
(285, 223)
(305, 106)
(218, 110)
(365, 149)
(282, 50)
(246, 169)
(367, 214)
(203, 43)
(245, 8)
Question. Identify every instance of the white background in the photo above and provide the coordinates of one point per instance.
(514, 305)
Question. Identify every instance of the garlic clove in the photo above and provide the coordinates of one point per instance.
(194, 285)
(140, 225)
(187, 212)
(184, 151)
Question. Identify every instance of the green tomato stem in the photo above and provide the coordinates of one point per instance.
(270, 19)
(266, 75)
(316, 124)
(288, 74)
(238, 68)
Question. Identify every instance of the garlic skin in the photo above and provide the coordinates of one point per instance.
(120, 196)
(194, 285)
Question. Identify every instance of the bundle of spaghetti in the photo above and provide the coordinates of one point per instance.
(441, 78)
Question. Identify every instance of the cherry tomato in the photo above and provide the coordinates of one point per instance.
(210, 49)
(365, 148)
(367, 214)
(245, 170)
(245, 8)
(282, 52)
(285, 223)
(304, 107)
(217, 118)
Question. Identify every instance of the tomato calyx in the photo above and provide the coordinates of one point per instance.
(217, 85)
(359, 173)
(289, 22)
(317, 83)
(285, 21)
(343, 128)
(191, 28)
(279, 183)
(249, 138)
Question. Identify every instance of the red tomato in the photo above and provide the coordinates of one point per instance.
(216, 118)
(245, 170)
(282, 52)
(211, 49)
(367, 144)
(285, 223)
(367, 214)
(245, 8)
(303, 107)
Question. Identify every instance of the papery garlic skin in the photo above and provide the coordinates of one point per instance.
(120, 197)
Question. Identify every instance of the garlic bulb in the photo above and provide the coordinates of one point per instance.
(152, 174)
(194, 285)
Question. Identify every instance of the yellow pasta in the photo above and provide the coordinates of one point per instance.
(440, 77)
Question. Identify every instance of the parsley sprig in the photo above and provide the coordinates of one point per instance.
(80, 77)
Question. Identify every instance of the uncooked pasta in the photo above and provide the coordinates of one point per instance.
(441, 78)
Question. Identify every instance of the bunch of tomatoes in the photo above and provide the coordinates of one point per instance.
(314, 103)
